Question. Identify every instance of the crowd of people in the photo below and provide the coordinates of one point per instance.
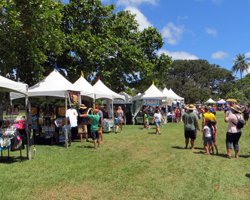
(85, 122)
(88, 122)
(233, 116)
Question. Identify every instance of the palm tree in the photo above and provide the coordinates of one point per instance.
(240, 64)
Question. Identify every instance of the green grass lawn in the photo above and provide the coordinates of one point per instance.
(134, 164)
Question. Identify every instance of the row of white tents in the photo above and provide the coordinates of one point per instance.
(211, 101)
(154, 93)
(55, 85)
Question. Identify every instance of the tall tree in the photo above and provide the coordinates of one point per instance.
(30, 32)
(240, 64)
(197, 79)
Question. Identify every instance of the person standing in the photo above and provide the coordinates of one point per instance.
(157, 120)
(82, 122)
(120, 119)
(191, 125)
(94, 118)
(177, 113)
(208, 116)
(100, 130)
(145, 119)
(207, 136)
(71, 116)
(233, 132)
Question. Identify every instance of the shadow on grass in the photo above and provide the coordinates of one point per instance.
(217, 155)
(178, 147)
(248, 175)
(244, 156)
(151, 133)
(11, 159)
(86, 147)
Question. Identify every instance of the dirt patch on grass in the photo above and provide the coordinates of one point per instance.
(241, 192)
(61, 192)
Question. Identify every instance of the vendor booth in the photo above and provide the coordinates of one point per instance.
(152, 97)
(48, 120)
(14, 130)
(103, 92)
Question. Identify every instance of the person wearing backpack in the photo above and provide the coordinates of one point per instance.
(191, 125)
(235, 124)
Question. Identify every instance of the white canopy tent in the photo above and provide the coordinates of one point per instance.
(12, 86)
(210, 100)
(151, 93)
(175, 96)
(84, 87)
(151, 96)
(221, 101)
(102, 91)
(54, 85)
(7, 85)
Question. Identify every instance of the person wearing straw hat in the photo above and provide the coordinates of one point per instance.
(230, 103)
(191, 125)
(233, 131)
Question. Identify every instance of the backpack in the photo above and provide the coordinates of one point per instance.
(240, 123)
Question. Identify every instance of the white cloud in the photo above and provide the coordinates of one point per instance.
(135, 3)
(140, 18)
(247, 55)
(211, 31)
(178, 55)
(172, 33)
(219, 55)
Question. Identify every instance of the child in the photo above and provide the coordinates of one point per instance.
(207, 136)
(145, 119)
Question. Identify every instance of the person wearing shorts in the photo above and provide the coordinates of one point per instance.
(94, 118)
(157, 120)
(190, 125)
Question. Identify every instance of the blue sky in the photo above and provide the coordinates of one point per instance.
(214, 30)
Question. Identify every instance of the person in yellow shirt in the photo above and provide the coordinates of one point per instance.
(209, 116)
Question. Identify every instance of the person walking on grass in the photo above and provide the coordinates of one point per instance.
(94, 118)
(233, 132)
(207, 136)
(191, 125)
(157, 121)
(120, 119)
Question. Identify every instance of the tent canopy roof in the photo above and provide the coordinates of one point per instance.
(221, 101)
(12, 86)
(102, 91)
(210, 100)
(84, 87)
(151, 93)
(53, 85)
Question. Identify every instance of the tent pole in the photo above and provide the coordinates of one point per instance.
(112, 114)
(27, 112)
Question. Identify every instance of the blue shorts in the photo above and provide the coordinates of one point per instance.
(207, 140)
(95, 135)
(157, 124)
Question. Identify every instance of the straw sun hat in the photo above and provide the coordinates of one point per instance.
(236, 108)
(191, 107)
(82, 106)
